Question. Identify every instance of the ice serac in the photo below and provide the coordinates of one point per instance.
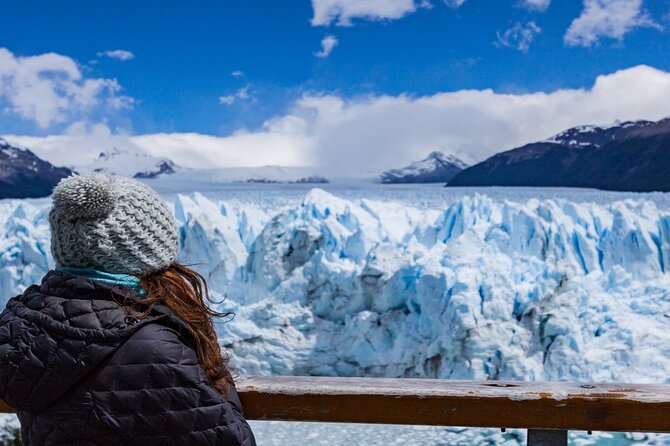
(549, 290)
(483, 289)
(24, 246)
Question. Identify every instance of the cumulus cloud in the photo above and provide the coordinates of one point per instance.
(50, 89)
(281, 141)
(519, 36)
(78, 145)
(536, 5)
(121, 55)
(341, 12)
(376, 132)
(607, 18)
(328, 44)
(237, 73)
(240, 95)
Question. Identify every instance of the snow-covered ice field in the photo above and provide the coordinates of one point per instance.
(416, 281)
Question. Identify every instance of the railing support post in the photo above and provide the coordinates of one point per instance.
(547, 437)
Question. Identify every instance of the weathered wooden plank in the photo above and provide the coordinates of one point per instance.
(531, 405)
(535, 405)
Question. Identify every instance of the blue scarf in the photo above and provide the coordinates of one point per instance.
(127, 280)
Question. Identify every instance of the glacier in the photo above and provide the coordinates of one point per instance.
(541, 290)
(482, 287)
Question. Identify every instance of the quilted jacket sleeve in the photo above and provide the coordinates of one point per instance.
(7, 369)
(154, 391)
(16, 337)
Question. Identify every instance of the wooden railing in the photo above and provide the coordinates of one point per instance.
(547, 410)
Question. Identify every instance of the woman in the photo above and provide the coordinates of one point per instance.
(116, 345)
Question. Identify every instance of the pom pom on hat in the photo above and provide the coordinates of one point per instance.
(85, 197)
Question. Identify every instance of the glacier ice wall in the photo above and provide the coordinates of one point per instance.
(484, 289)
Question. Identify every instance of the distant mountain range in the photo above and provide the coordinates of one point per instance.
(24, 175)
(435, 168)
(143, 166)
(629, 156)
(129, 164)
(312, 179)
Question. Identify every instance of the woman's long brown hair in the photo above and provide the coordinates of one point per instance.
(185, 293)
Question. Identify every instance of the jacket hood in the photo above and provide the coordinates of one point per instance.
(61, 330)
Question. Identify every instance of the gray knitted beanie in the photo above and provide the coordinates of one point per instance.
(113, 224)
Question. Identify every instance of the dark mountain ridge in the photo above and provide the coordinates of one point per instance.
(631, 156)
(24, 175)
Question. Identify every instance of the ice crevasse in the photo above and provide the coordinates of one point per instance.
(483, 289)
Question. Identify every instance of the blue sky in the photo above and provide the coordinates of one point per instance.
(220, 68)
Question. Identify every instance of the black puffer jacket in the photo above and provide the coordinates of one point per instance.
(80, 369)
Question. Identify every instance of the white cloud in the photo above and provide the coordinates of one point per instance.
(519, 36)
(237, 73)
(536, 5)
(384, 131)
(281, 141)
(78, 145)
(474, 123)
(50, 89)
(328, 44)
(454, 3)
(607, 18)
(228, 99)
(241, 94)
(121, 55)
(341, 12)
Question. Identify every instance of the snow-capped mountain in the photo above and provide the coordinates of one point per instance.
(437, 167)
(130, 164)
(590, 135)
(629, 156)
(24, 175)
